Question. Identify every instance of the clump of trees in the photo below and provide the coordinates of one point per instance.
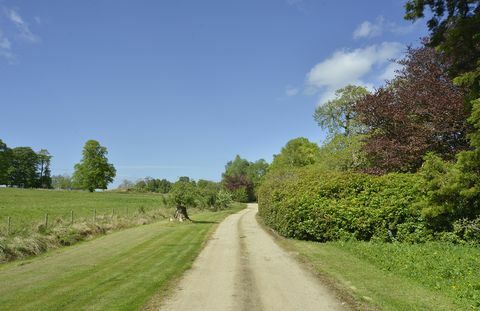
(23, 167)
(242, 178)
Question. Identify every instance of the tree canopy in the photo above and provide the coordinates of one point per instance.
(338, 115)
(93, 171)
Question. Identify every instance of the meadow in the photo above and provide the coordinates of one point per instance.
(27, 207)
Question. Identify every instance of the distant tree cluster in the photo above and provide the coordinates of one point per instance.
(25, 168)
(242, 178)
(147, 184)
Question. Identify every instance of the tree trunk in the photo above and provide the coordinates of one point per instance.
(181, 214)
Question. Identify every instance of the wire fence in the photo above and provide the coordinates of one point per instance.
(10, 226)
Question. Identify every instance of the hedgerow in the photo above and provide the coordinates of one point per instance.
(312, 204)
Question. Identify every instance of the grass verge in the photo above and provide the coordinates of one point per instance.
(432, 276)
(119, 271)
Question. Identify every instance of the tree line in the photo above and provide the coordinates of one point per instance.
(23, 167)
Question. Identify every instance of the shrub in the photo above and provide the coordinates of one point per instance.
(312, 204)
(223, 199)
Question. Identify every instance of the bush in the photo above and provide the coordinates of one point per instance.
(312, 204)
(223, 199)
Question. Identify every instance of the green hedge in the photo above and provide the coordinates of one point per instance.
(312, 204)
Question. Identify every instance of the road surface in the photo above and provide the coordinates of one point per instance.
(242, 268)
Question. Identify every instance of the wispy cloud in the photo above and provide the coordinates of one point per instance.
(291, 91)
(23, 28)
(370, 29)
(6, 48)
(345, 67)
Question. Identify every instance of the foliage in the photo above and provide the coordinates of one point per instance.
(310, 203)
(5, 162)
(454, 189)
(93, 171)
(184, 194)
(23, 169)
(297, 152)
(148, 184)
(44, 179)
(242, 178)
(223, 199)
(420, 111)
(455, 31)
(343, 153)
(338, 115)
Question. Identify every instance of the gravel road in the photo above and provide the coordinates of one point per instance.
(242, 268)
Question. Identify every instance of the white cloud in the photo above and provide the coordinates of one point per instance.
(22, 27)
(345, 67)
(390, 71)
(291, 91)
(368, 29)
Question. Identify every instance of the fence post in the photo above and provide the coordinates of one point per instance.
(46, 221)
(9, 220)
(71, 217)
(113, 212)
(94, 215)
(127, 211)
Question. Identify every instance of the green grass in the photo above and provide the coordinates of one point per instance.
(119, 271)
(27, 207)
(432, 276)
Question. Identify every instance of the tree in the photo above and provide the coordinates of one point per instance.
(5, 162)
(454, 27)
(23, 169)
(93, 171)
(183, 195)
(420, 111)
(238, 181)
(338, 115)
(44, 178)
(343, 153)
(297, 152)
(126, 185)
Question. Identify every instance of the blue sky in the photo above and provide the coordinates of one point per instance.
(175, 88)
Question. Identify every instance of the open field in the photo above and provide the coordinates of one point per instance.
(432, 276)
(119, 271)
(27, 207)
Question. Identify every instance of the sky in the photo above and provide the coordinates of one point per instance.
(178, 88)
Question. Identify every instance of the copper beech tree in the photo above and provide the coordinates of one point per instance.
(419, 111)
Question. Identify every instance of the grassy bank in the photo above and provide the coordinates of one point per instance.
(119, 271)
(432, 276)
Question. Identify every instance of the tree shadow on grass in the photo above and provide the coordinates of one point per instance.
(204, 222)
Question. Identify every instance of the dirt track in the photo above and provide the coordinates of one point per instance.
(241, 268)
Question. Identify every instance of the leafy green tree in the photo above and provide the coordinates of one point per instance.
(297, 152)
(164, 186)
(343, 153)
(5, 162)
(44, 179)
(93, 171)
(223, 199)
(184, 194)
(338, 115)
(23, 169)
